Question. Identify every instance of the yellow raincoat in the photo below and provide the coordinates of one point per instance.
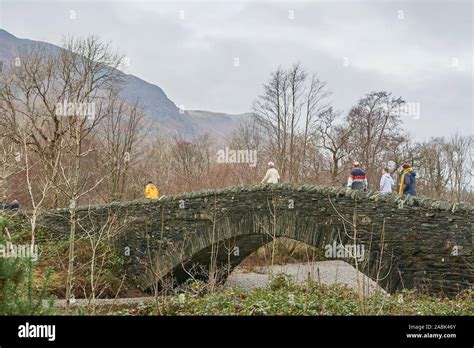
(151, 192)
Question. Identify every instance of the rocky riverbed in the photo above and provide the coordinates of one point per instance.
(323, 272)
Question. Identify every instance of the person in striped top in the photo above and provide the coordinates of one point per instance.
(357, 179)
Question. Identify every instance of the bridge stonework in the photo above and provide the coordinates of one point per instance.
(416, 243)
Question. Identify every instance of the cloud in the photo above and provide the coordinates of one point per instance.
(419, 50)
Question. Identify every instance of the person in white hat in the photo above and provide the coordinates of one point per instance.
(272, 176)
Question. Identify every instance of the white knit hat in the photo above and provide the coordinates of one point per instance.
(271, 164)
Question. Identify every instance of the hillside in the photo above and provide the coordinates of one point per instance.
(162, 111)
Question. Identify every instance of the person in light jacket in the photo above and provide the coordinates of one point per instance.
(386, 182)
(272, 176)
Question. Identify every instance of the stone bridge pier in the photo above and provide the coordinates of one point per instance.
(416, 243)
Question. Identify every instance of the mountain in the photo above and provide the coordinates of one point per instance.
(162, 111)
(219, 124)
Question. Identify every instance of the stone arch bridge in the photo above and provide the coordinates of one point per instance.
(413, 243)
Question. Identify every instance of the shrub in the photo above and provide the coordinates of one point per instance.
(18, 295)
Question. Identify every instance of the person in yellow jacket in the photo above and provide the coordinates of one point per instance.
(151, 191)
(408, 182)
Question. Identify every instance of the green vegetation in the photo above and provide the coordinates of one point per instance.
(24, 285)
(53, 259)
(283, 297)
(22, 291)
(107, 272)
(18, 293)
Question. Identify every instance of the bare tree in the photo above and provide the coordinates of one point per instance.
(101, 240)
(249, 137)
(289, 95)
(432, 167)
(39, 191)
(9, 164)
(296, 79)
(316, 106)
(28, 98)
(190, 161)
(94, 74)
(334, 138)
(457, 155)
(121, 133)
(374, 121)
(271, 111)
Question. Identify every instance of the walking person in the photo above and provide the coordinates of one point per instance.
(408, 182)
(386, 182)
(151, 191)
(5, 205)
(271, 176)
(357, 179)
(14, 205)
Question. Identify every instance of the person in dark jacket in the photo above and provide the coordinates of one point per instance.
(10, 206)
(14, 205)
(408, 182)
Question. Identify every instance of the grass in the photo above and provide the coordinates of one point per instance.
(283, 297)
(53, 260)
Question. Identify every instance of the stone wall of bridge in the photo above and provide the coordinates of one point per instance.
(415, 243)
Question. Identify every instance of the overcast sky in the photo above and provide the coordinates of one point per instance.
(421, 51)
